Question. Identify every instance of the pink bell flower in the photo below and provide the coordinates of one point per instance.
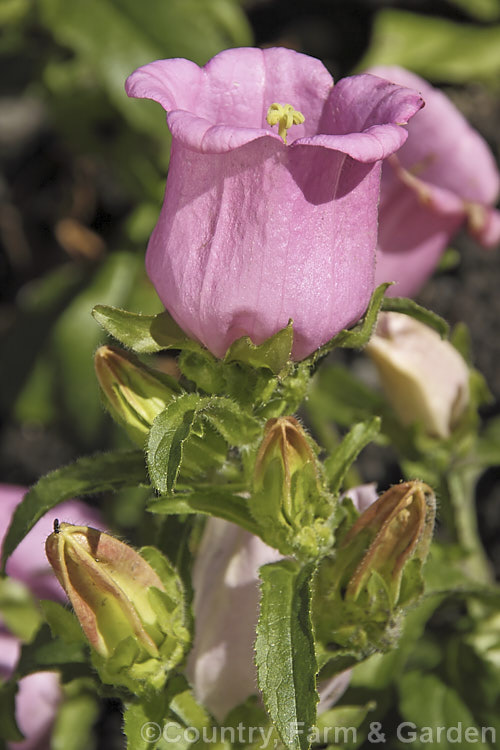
(221, 664)
(260, 225)
(39, 694)
(444, 177)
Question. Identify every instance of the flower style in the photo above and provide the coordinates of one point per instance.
(221, 664)
(39, 693)
(424, 377)
(443, 177)
(255, 230)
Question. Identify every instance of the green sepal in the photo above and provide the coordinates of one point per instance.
(170, 607)
(274, 353)
(338, 463)
(181, 418)
(358, 336)
(408, 307)
(144, 334)
(285, 652)
(104, 472)
(130, 664)
(217, 501)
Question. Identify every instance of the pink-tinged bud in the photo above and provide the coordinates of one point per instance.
(363, 591)
(424, 377)
(106, 582)
(270, 210)
(127, 611)
(289, 498)
(393, 530)
(444, 177)
(133, 393)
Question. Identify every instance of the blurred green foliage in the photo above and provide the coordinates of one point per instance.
(434, 47)
(75, 56)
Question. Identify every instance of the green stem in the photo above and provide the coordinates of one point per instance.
(461, 487)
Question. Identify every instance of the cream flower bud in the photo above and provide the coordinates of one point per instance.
(133, 393)
(425, 378)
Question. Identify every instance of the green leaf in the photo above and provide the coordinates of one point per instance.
(435, 48)
(75, 340)
(338, 463)
(274, 353)
(18, 609)
(337, 395)
(167, 436)
(48, 654)
(235, 426)
(143, 722)
(339, 724)
(411, 308)
(144, 334)
(62, 622)
(175, 424)
(285, 654)
(484, 10)
(427, 702)
(104, 472)
(214, 501)
(359, 335)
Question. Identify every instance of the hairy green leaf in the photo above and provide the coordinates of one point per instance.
(214, 501)
(285, 654)
(144, 334)
(338, 463)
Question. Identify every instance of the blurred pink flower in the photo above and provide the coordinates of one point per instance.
(39, 693)
(221, 664)
(444, 176)
(252, 231)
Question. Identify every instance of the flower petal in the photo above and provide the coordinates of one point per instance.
(232, 94)
(443, 149)
(363, 118)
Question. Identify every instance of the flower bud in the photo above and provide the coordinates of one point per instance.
(424, 377)
(130, 612)
(289, 500)
(361, 593)
(133, 393)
